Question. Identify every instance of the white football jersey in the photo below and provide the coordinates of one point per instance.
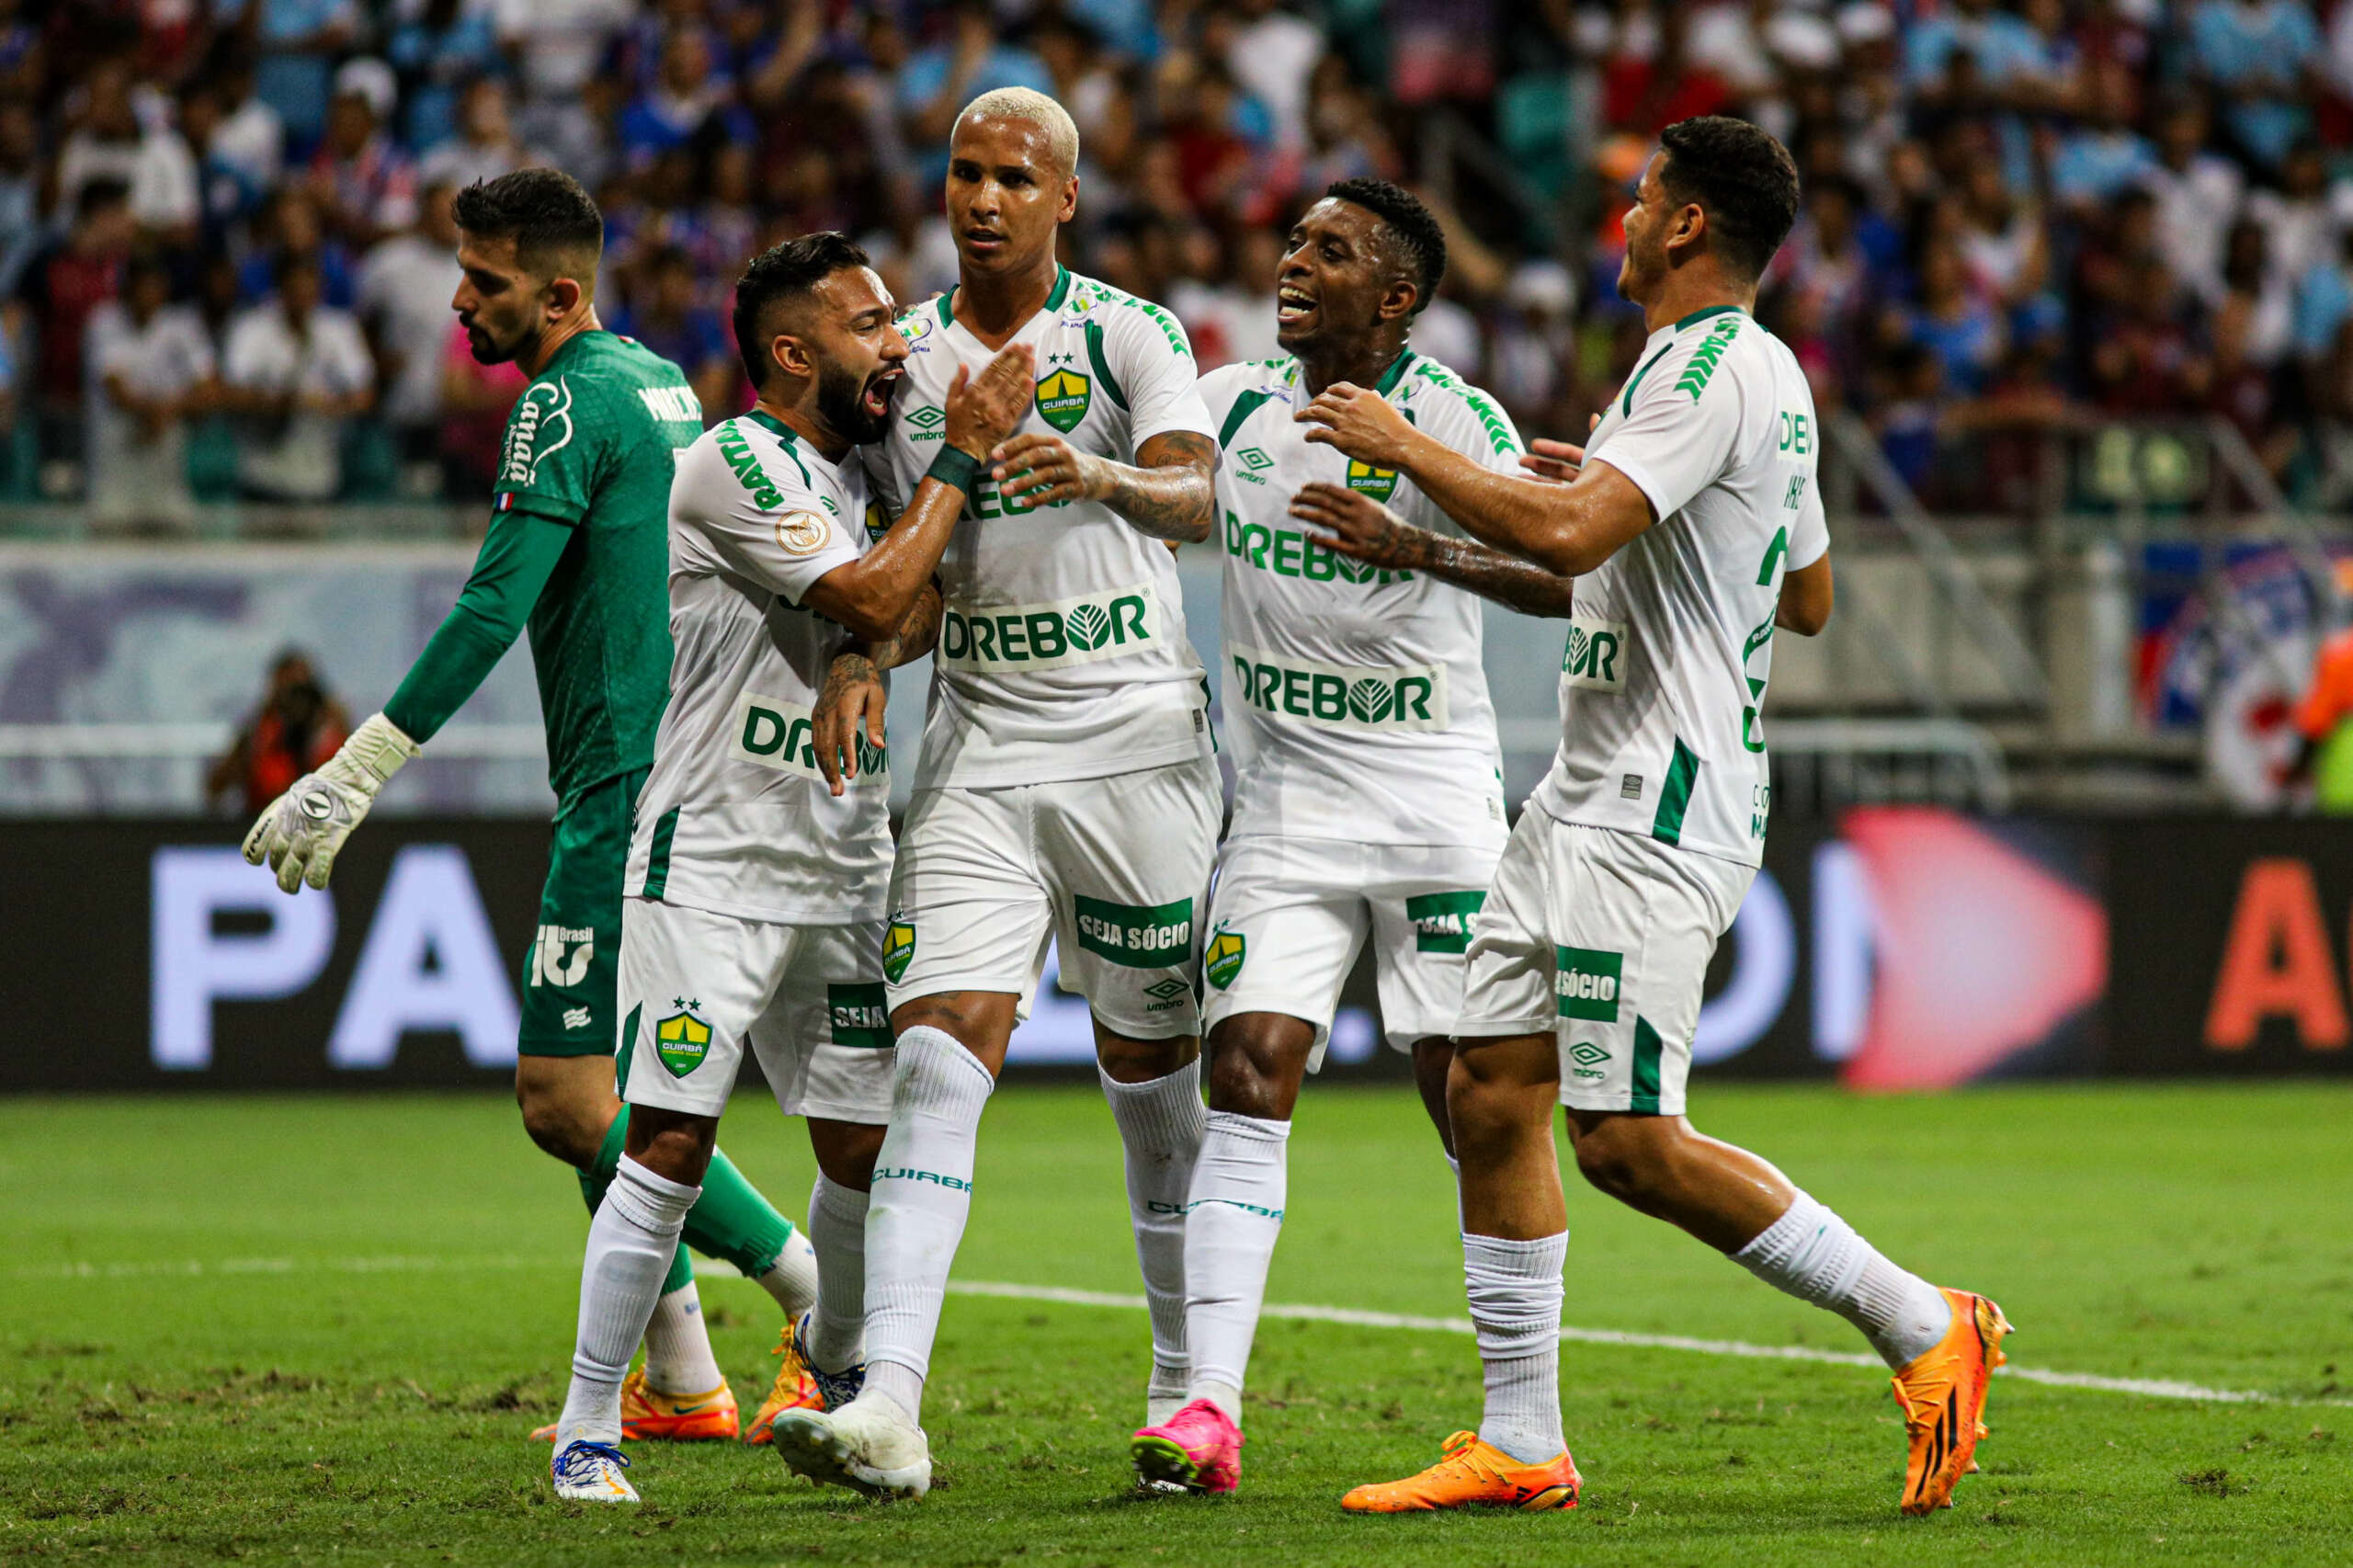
(1354, 697)
(734, 817)
(1668, 654)
(1062, 651)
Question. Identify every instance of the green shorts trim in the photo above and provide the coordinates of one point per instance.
(572, 974)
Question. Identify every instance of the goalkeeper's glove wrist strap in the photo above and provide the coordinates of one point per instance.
(379, 748)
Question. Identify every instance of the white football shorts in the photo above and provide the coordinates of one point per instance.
(696, 987)
(1115, 871)
(1603, 938)
(1291, 915)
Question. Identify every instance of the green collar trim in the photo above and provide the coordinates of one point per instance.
(1053, 301)
(1395, 373)
(773, 425)
(1703, 315)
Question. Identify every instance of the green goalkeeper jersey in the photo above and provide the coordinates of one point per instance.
(578, 551)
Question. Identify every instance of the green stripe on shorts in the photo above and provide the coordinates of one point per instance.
(657, 858)
(1646, 1054)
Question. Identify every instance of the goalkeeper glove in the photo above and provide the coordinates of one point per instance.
(303, 830)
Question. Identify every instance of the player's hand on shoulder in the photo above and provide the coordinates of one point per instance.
(1361, 527)
(1038, 469)
(853, 695)
(1358, 421)
(983, 410)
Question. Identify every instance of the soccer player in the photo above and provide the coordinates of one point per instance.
(1067, 788)
(1693, 530)
(575, 551)
(1369, 790)
(756, 876)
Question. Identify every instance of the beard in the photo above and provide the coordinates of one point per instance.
(841, 403)
(486, 348)
(1637, 272)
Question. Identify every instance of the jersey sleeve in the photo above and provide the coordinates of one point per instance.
(1810, 539)
(779, 534)
(1150, 366)
(1680, 428)
(549, 462)
(1473, 424)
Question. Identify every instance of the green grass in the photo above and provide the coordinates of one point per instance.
(317, 1330)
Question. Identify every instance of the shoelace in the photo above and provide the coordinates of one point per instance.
(578, 1462)
(836, 1389)
(1461, 1452)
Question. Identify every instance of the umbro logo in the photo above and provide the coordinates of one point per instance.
(1165, 990)
(925, 418)
(575, 1018)
(1254, 458)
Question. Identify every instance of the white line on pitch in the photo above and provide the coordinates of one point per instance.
(712, 1268)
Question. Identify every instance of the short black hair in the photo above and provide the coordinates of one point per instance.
(549, 215)
(780, 272)
(1416, 230)
(1742, 178)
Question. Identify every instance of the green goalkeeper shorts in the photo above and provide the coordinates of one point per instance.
(571, 974)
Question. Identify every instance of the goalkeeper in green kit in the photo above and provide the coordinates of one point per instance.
(578, 551)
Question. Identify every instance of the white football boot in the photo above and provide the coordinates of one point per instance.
(868, 1445)
(591, 1472)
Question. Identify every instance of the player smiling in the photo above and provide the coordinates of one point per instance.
(1693, 529)
(1368, 792)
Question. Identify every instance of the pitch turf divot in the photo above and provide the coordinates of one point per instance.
(714, 1269)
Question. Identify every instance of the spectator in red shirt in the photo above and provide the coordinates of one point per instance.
(58, 289)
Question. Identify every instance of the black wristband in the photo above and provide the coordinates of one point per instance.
(955, 467)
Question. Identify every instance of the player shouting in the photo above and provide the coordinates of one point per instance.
(575, 551)
(757, 879)
(1368, 795)
(1693, 530)
(1067, 788)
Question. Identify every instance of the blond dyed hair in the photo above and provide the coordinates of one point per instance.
(1031, 107)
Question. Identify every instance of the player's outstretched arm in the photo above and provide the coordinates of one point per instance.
(1567, 529)
(1358, 526)
(1170, 492)
(874, 594)
(302, 830)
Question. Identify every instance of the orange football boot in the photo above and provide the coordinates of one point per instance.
(1942, 1393)
(1474, 1474)
(648, 1417)
(796, 1388)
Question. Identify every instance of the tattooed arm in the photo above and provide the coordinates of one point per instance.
(854, 692)
(1358, 526)
(1169, 494)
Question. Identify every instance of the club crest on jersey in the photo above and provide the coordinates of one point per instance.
(681, 1041)
(877, 525)
(1063, 398)
(898, 948)
(1595, 656)
(1380, 483)
(1222, 962)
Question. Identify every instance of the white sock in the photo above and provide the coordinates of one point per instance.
(1161, 1124)
(1817, 1256)
(793, 1279)
(914, 1217)
(1233, 1214)
(837, 1228)
(677, 1345)
(1515, 1289)
(630, 1244)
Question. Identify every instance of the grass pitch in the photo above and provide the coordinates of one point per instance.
(318, 1330)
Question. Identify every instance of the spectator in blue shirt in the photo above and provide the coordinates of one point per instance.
(937, 82)
(2262, 58)
(2097, 160)
(665, 313)
(683, 99)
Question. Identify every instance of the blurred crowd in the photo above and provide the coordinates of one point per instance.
(226, 238)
